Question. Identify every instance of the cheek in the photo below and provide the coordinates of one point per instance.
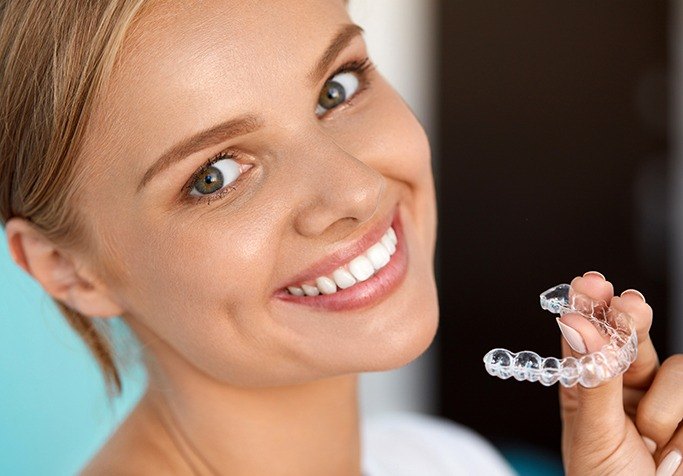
(199, 251)
(394, 142)
(199, 291)
(392, 138)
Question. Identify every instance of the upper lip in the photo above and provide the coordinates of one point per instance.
(345, 252)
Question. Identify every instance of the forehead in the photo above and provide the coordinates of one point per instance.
(186, 64)
(185, 36)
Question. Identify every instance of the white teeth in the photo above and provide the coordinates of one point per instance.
(310, 290)
(386, 241)
(326, 285)
(378, 255)
(295, 290)
(343, 278)
(361, 268)
(392, 235)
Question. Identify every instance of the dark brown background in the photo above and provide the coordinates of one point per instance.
(552, 161)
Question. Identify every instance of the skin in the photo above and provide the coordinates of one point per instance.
(243, 374)
(240, 383)
(605, 428)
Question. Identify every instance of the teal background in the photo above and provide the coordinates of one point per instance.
(54, 412)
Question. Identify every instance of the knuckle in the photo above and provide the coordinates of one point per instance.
(640, 311)
(673, 365)
(636, 306)
(650, 419)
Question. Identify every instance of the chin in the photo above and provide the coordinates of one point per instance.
(403, 345)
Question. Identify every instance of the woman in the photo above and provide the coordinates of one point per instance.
(237, 181)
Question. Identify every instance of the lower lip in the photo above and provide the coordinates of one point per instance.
(366, 293)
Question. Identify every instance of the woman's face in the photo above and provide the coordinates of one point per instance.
(305, 178)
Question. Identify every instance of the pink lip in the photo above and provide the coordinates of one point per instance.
(362, 294)
(328, 264)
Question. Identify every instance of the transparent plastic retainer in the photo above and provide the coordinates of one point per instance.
(591, 369)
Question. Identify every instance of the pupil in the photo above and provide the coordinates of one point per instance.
(332, 95)
(212, 181)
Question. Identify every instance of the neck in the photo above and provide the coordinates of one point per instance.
(306, 429)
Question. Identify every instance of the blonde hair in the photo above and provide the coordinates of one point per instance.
(56, 58)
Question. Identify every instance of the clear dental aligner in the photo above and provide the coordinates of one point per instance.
(591, 369)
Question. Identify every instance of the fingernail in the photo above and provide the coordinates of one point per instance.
(572, 337)
(633, 291)
(650, 444)
(669, 464)
(594, 273)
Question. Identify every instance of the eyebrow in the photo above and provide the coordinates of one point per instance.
(347, 33)
(249, 123)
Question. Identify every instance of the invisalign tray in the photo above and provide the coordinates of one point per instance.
(591, 369)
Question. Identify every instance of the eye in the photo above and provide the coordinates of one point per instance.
(338, 89)
(215, 176)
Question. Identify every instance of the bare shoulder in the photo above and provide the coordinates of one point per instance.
(135, 448)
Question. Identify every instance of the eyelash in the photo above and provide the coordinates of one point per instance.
(216, 195)
(361, 67)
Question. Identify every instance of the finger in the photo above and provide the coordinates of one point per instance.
(594, 286)
(669, 459)
(641, 372)
(599, 410)
(596, 411)
(660, 411)
(580, 334)
(670, 465)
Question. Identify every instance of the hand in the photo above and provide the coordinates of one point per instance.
(630, 424)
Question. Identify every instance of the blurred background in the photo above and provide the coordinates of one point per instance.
(554, 160)
(554, 136)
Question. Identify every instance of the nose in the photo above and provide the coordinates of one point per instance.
(339, 191)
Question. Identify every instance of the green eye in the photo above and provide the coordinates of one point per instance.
(336, 91)
(209, 181)
(215, 176)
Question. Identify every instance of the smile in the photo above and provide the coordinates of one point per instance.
(373, 274)
(359, 269)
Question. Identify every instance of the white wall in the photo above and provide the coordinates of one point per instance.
(400, 35)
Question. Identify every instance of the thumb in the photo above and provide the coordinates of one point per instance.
(593, 415)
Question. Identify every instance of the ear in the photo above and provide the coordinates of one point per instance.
(57, 272)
